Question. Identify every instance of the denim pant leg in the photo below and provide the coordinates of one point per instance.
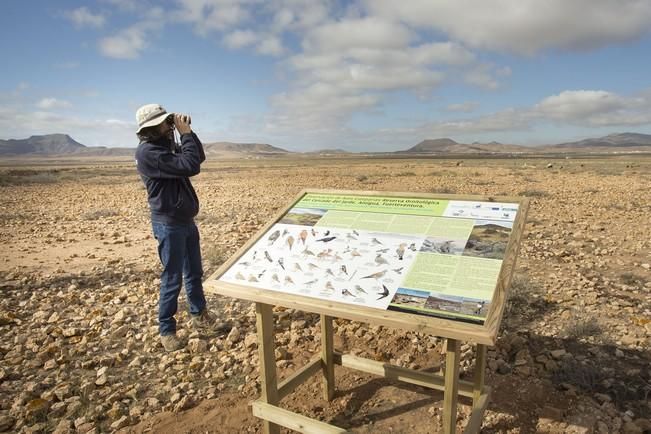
(171, 250)
(193, 272)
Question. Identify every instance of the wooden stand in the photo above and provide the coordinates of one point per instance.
(267, 407)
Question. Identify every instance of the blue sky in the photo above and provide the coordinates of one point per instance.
(371, 75)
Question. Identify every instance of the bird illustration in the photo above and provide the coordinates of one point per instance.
(312, 266)
(351, 237)
(400, 251)
(281, 262)
(329, 272)
(303, 236)
(275, 278)
(376, 241)
(285, 232)
(384, 293)
(338, 258)
(360, 289)
(327, 239)
(268, 256)
(313, 232)
(252, 278)
(261, 274)
(246, 264)
(380, 260)
(376, 275)
(398, 270)
(324, 253)
(297, 267)
(355, 253)
(347, 292)
(329, 286)
(273, 237)
(254, 253)
(311, 282)
(308, 252)
(343, 270)
(326, 233)
(382, 250)
(412, 247)
(240, 276)
(290, 242)
(355, 232)
(288, 280)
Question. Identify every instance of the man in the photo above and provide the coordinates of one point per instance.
(165, 169)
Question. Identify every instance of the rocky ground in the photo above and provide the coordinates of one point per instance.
(79, 274)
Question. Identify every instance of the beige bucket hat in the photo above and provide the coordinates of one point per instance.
(150, 115)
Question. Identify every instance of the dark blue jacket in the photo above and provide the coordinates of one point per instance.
(166, 173)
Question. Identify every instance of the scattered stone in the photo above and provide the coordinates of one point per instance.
(120, 423)
(233, 335)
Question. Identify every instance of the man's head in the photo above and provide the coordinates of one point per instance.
(151, 119)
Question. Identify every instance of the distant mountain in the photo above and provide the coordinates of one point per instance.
(42, 145)
(611, 141)
(449, 146)
(329, 152)
(242, 149)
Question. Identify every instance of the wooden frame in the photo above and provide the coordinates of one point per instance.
(454, 331)
(274, 417)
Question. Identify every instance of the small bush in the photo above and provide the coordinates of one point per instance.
(215, 256)
(99, 214)
(582, 327)
(522, 292)
(533, 193)
(632, 279)
(444, 190)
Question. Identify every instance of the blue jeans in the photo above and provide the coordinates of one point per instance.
(180, 255)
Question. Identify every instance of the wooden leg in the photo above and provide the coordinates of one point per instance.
(480, 373)
(268, 379)
(327, 353)
(451, 387)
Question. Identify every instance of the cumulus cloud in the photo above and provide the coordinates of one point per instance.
(271, 46)
(82, 17)
(130, 43)
(52, 103)
(127, 44)
(524, 26)
(214, 15)
(19, 123)
(464, 107)
(240, 39)
(595, 108)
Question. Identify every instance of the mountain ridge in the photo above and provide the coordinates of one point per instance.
(63, 144)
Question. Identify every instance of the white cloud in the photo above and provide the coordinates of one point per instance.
(595, 108)
(127, 44)
(213, 15)
(524, 26)
(271, 46)
(82, 17)
(240, 39)
(464, 107)
(52, 103)
(366, 33)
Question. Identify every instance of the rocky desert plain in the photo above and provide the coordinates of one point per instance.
(79, 351)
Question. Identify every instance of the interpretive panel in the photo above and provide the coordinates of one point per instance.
(427, 256)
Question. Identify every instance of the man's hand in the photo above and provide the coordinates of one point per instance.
(182, 123)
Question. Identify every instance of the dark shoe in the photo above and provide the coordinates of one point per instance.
(207, 321)
(171, 343)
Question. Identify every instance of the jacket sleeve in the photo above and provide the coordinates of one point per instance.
(184, 164)
(202, 155)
